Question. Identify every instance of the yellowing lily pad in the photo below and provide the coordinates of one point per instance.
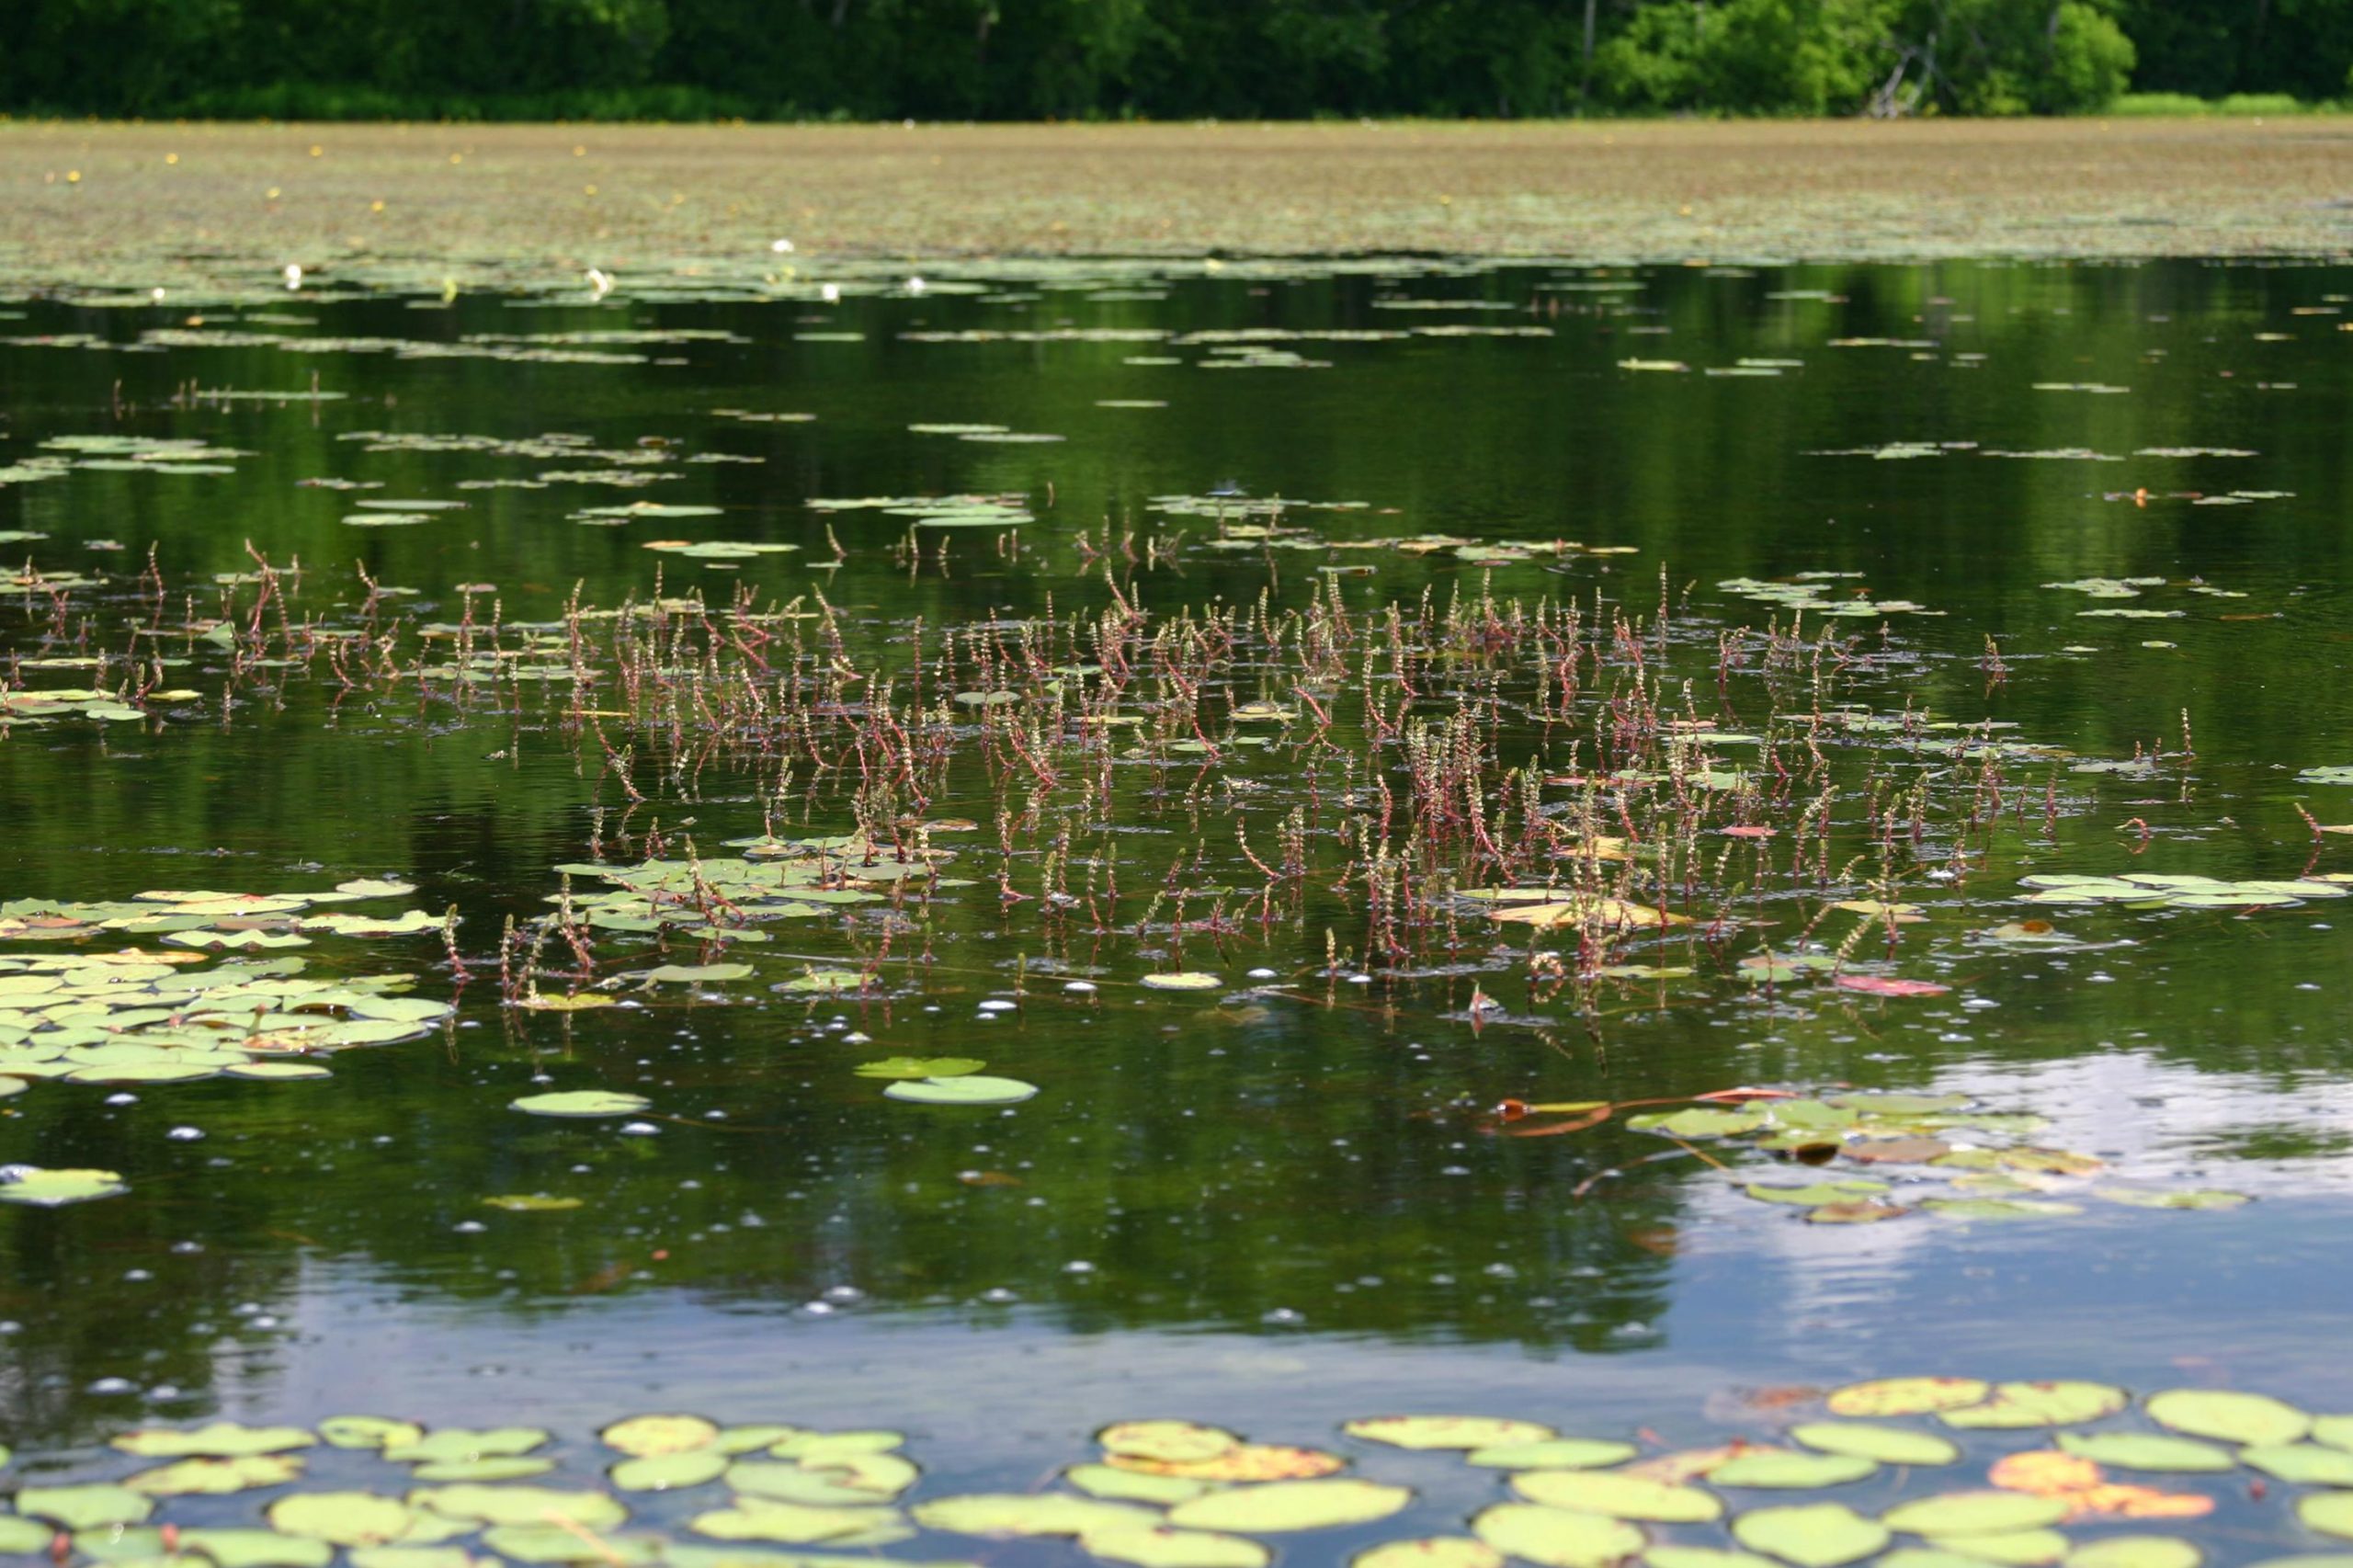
(1292, 1506)
(1908, 1396)
(2041, 1405)
(1176, 1440)
(1182, 979)
(642, 1437)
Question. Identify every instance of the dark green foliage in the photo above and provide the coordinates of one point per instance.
(1161, 59)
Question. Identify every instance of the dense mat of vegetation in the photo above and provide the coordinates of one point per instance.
(1031, 59)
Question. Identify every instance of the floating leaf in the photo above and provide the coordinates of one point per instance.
(1974, 1513)
(520, 1506)
(341, 1518)
(1889, 985)
(256, 1548)
(2331, 1513)
(2142, 1451)
(532, 1203)
(1119, 1485)
(2232, 1417)
(1249, 1461)
(2019, 1548)
(553, 1543)
(582, 1102)
(1792, 1472)
(1430, 1551)
(1158, 1546)
(919, 1067)
(2307, 1464)
(1889, 1445)
(455, 1443)
(794, 1524)
(662, 1473)
(2041, 1405)
(84, 1508)
(643, 1437)
(1025, 1514)
(1816, 1535)
(1292, 1506)
(215, 1477)
(1616, 1495)
(1702, 1557)
(972, 1089)
(53, 1189)
(1553, 1453)
(1183, 980)
(2136, 1551)
(1817, 1193)
(222, 1440)
(1447, 1431)
(1556, 1538)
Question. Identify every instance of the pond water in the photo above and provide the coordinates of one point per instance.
(1324, 600)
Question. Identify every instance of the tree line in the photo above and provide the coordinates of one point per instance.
(1156, 59)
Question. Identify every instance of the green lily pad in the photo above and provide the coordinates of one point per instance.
(1292, 1506)
(1780, 1471)
(1702, 1557)
(84, 1508)
(1119, 1485)
(1430, 1551)
(693, 974)
(2231, 1418)
(2014, 1548)
(553, 1543)
(452, 1444)
(2336, 1431)
(341, 1518)
(1556, 1538)
(24, 1537)
(1158, 1546)
(2331, 1513)
(1999, 1208)
(643, 1436)
(1817, 1193)
(1446, 1431)
(2307, 1464)
(53, 1189)
(1025, 1514)
(2144, 1450)
(1813, 1535)
(532, 1203)
(1553, 1453)
(411, 1557)
(2136, 1551)
(919, 1067)
(796, 1524)
(222, 1440)
(972, 1089)
(2201, 1198)
(2041, 1405)
(1974, 1513)
(582, 1102)
(1889, 1445)
(520, 1504)
(1618, 1496)
(494, 1467)
(211, 1477)
(1184, 980)
(256, 1548)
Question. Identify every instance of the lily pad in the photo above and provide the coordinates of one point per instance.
(1117, 1486)
(970, 1089)
(341, 1518)
(222, 1440)
(1783, 1472)
(256, 1548)
(2136, 1551)
(1813, 1535)
(2331, 1513)
(1974, 1513)
(2144, 1450)
(1430, 1551)
(1447, 1431)
(1182, 981)
(643, 1437)
(1618, 1496)
(2041, 1405)
(2307, 1464)
(520, 1506)
(84, 1508)
(2229, 1417)
(1158, 1546)
(662, 1473)
(1292, 1506)
(1889, 1445)
(582, 1102)
(1174, 1441)
(1025, 1514)
(1553, 1453)
(216, 1477)
(1556, 1538)
(919, 1067)
(54, 1190)
(1908, 1396)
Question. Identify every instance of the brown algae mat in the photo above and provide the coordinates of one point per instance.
(216, 207)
